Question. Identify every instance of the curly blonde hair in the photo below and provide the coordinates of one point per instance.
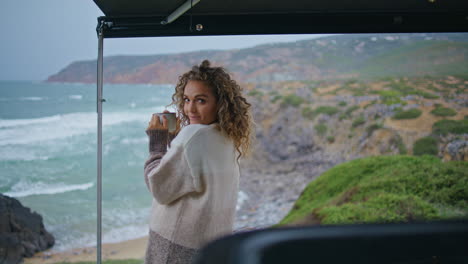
(233, 111)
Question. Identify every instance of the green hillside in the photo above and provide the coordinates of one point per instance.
(417, 59)
(384, 189)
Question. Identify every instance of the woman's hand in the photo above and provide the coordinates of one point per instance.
(155, 123)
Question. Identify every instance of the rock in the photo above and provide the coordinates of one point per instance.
(410, 98)
(455, 150)
(323, 118)
(428, 103)
(411, 106)
(22, 232)
(11, 250)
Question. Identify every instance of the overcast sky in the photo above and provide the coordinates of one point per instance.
(40, 37)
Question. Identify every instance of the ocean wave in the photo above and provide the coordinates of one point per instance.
(15, 155)
(24, 122)
(32, 98)
(75, 96)
(27, 131)
(23, 189)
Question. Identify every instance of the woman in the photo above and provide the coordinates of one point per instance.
(195, 183)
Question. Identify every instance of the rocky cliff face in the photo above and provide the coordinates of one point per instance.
(453, 147)
(22, 232)
(305, 128)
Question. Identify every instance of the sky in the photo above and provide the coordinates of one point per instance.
(39, 38)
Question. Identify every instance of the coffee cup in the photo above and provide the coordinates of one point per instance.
(171, 120)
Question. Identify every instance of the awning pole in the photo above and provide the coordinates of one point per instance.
(100, 100)
(179, 11)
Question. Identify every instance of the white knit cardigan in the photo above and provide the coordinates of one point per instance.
(195, 187)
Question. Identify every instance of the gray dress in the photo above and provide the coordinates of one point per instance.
(161, 250)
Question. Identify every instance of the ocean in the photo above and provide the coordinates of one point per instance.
(48, 156)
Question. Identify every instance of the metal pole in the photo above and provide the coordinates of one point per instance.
(100, 100)
(180, 11)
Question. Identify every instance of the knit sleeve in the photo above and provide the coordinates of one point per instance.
(150, 164)
(172, 178)
(157, 148)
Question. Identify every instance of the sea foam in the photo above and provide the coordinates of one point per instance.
(75, 96)
(9, 153)
(23, 189)
(25, 122)
(27, 131)
(32, 98)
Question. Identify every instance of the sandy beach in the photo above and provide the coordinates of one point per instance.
(131, 249)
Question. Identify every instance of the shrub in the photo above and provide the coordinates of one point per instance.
(401, 147)
(293, 100)
(308, 113)
(370, 129)
(405, 89)
(370, 104)
(425, 146)
(348, 112)
(331, 139)
(328, 110)
(342, 103)
(398, 141)
(433, 88)
(351, 109)
(321, 129)
(428, 95)
(385, 207)
(443, 111)
(385, 189)
(409, 114)
(401, 86)
(443, 127)
(390, 97)
(255, 92)
(343, 116)
(359, 92)
(359, 121)
(276, 98)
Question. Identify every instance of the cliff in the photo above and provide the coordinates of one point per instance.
(333, 57)
(305, 128)
(22, 232)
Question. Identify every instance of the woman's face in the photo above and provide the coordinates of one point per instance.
(199, 103)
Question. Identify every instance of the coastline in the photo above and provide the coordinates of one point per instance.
(129, 249)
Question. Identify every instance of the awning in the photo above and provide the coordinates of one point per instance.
(142, 18)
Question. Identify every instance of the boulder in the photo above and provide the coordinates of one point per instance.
(453, 147)
(22, 232)
(456, 150)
